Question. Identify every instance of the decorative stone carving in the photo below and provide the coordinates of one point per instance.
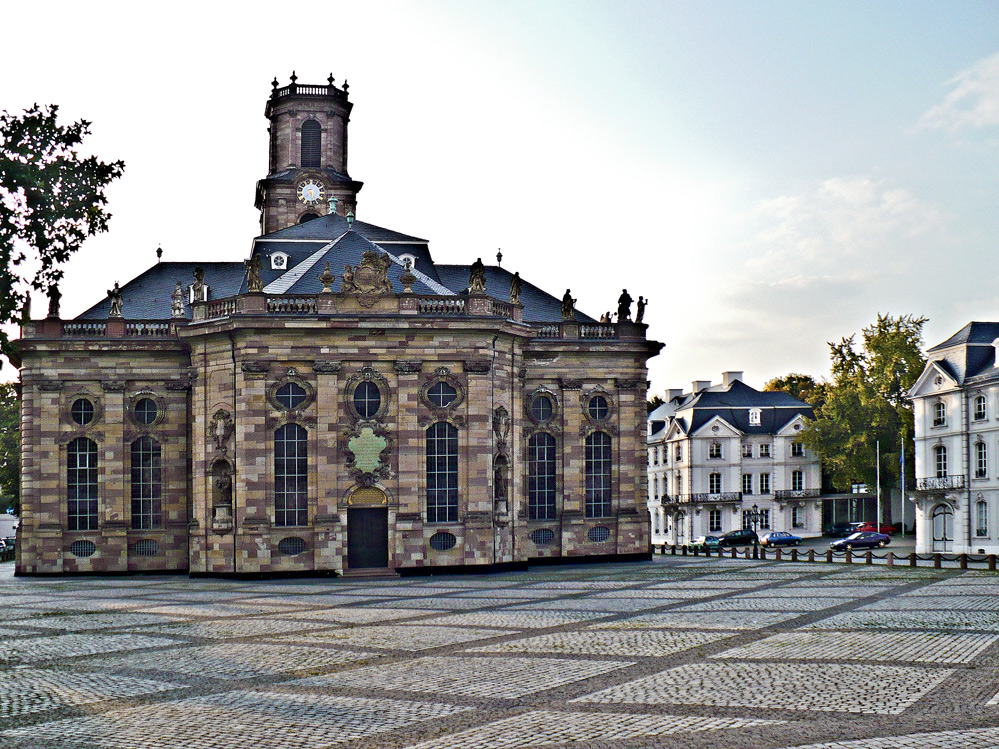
(177, 301)
(501, 426)
(477, 366)
(568, 307)
(177, 386)
(369, 280)
(114, 295)
(50, 386)
(113, 386)
(253, 282)
(477, 278)
(501, 469)
(221, 497)
(254, 367)
(407, 367)
(364, 447)
(326, 278)
(221, 430)
(567, 384)
(624, 306)
(326, 367)
(370, 375)
(515, 283)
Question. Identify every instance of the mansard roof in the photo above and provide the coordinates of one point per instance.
(969, 352)
(333, 225)
(972, 334)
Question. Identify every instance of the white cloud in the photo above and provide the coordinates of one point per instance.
(974, 101)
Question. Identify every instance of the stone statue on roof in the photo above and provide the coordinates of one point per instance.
(198, 287)
(515, 289)
(477, 278)
(640, 309)
(253, 282)
(568, 307)
(347, 283)
(177, 301)
(54, 297)
(624, 306)
(116, 303)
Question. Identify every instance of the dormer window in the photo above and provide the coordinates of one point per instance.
(754, 417)
(279, 261)
(939, 414)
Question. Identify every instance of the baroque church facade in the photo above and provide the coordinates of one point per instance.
(337, 403)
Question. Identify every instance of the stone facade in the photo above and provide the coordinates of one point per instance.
(215, 390)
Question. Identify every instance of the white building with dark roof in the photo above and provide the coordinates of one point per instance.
(956, 407)
(720, 452)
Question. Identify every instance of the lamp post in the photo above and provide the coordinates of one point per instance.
(755, 517)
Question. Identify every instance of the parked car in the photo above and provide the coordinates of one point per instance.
(840, 530)
(779, 538)
(738, 538)
(862, 540)
(705, 543)
(11, 542)
(873, 528)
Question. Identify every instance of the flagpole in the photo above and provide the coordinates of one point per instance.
(903, 485)
(879, 485)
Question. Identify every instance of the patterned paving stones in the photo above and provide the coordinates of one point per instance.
(677, 651)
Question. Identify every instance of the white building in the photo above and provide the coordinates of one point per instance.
(717, 452)
(956, 405)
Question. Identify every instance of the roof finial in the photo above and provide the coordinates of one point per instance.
(293, 77)
(274, 83)
(499, 257)
(159, 253)
(350, 219)
(345, 85)
(330, 79)
(333, 201)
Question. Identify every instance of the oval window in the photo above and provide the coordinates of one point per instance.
(291, 546)
(83, 548)
(82, 411)
(145, 411)
(367, 400)
(291, 395)
(542, 408)
(598, 408)
(598, 534)
(145, 547)
(442, 395)
(443, 541)
(543, 536)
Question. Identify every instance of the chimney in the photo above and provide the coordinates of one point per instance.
(699, 385)
(674, 393)
(995, 345)
(729, 377)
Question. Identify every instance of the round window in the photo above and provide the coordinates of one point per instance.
(367, 400)
(443, 541)
(82, 411)
(543, 536)
(83, 548)
(598, 408)
(291, 395)
(442, 395)
(145, 411)
(541, 408)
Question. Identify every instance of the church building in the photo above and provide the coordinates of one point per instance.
(336, 403)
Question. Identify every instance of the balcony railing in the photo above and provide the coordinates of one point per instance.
(796, 493)
(708, 497)
(939, 483)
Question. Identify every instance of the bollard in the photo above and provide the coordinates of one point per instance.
(849, 556)
(777, 553)
(912, 559)
(733, 552)
(828, 555)
(694, 549)
(937, 559)
(891, 559)
(869, 557)
(964, 561)
(992, 562)
(811, 555)
(685, 550)
(763, 552)
(672, 549)
(794, 555)
(747, 552)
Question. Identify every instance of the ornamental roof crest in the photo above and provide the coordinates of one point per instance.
(369, 279)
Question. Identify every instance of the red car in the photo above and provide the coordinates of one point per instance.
(873, 528)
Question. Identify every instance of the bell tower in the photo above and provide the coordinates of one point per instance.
(307, 162)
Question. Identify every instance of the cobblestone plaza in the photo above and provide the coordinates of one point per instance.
(677, 651)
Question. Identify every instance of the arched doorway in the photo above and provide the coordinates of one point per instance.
(943, 528)
(367, 529)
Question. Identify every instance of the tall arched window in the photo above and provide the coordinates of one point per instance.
(442, 473)
(981, 520)
(939, 414)
(981, 460)
(81, 484)
(312, 144)
(147, 484)
(980, 407)
(598, 475)
(291, 485)
(541, 477)
(940, 461)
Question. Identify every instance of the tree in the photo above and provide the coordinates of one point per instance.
(653, 403)
(801, 386)
(10, 446)
(51, 199)
(865, 403)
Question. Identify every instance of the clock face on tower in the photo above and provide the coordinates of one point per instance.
(311, 191)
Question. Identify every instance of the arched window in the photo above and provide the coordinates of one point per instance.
(81, 485)
(541, 477)
(940, 461)
(442, 473)
(939, 414)
(291, 465)
(598, 475)
(147, 484)
(980, 408)
(312, 144)
(981, 460)
(367, 400)
(981, 519)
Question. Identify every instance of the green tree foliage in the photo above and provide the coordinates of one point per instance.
(10, 446)
(51, 199)
(865, 403)
(801, 386)
(653, 403)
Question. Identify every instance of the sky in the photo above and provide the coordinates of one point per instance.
(770, 175)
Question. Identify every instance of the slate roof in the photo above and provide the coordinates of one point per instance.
(974, 333)
(330, 226)
(969, 352)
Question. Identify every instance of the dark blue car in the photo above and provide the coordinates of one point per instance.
(779, 538)
(862, 540)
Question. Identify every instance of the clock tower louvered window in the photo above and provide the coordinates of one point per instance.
(312, 140)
